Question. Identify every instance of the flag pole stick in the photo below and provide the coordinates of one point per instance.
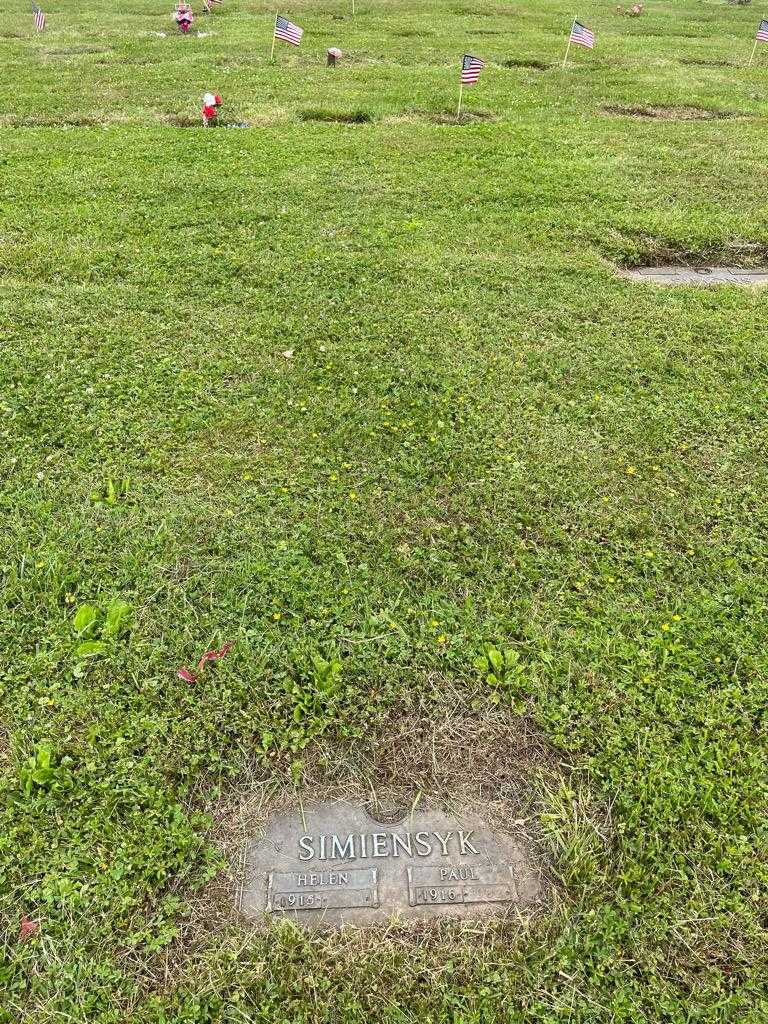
(568, 47)
(461, 93)
(752, 55)
(353, 8)
(272, 53)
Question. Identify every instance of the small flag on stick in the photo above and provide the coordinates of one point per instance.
(287, 31)
(581, 36)
(761, 37)
(470, 72)
(470, 69)
(39, 17)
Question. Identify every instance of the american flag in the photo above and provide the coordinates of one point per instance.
(207, 6)
(287, 31)
(582, 35)
(762, 32)
(39, 17)
(470, 69)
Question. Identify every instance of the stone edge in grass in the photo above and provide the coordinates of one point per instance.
(696, 276)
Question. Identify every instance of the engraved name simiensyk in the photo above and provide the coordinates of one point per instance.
(362, 845)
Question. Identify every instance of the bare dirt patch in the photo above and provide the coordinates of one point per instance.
(668, 113)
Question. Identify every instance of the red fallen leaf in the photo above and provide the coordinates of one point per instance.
(191, 677)
(214, 656)
(28, 928)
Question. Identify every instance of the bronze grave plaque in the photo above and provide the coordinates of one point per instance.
(332, 864)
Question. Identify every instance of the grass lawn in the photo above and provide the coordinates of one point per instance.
(483, 436)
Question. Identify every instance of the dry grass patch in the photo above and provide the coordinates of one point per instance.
(497, 766)
(668, 113)
(76, 51)
(443, 117)
(410, 33)
(62, 121)
(630, 250)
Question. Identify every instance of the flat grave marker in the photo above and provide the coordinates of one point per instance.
(333, 864)
(698, 275)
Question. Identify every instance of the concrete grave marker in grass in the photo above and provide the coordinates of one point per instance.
(667, 113)
(335, 864)
(671, 275)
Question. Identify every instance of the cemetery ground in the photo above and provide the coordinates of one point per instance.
(367, 400)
